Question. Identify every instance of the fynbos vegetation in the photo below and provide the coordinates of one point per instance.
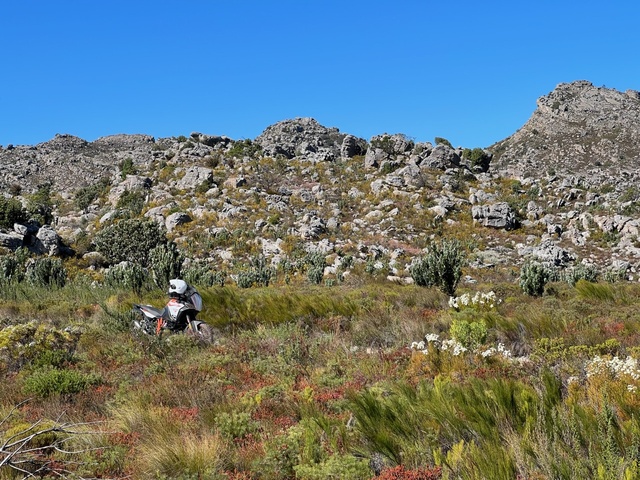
(390, 309)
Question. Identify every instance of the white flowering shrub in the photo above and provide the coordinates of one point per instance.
(615, 367)
(480, 300)
(456, 348)
(607, 369)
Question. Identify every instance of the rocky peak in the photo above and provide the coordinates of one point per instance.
(307, 139)
(577, 128)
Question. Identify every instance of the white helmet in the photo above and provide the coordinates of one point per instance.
(177, 287)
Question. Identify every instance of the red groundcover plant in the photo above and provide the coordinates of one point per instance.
(401, 473)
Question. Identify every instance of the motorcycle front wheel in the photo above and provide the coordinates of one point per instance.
(201, 331)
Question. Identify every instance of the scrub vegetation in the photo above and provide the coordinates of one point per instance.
(362, 380)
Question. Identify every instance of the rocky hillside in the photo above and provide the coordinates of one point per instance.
(592, 133)
(563, 188)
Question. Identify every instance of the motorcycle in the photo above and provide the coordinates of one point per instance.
(178, 316)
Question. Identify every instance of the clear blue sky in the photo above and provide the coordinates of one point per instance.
(468, 71)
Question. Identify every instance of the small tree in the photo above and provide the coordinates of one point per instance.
(40, 205)
(441, 266)
(533, 278)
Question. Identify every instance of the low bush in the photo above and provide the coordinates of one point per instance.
(258, 273)
(166, 263)
(203, 275)
(45, 382)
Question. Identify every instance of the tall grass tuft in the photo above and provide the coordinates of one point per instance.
(595, 291)
(182, 456)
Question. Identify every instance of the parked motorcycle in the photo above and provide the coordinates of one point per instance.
(179, 315)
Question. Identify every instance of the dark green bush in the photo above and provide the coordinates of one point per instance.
(315, 267)
(127, 168)
(202, 275)
(11, 212)
(443, 141)
(40, 205)
(440, 267)
(129, 240)
(86, 195)
(478, 157)
(46, 272)
(13, 266)
(581, 271)
(132, 200)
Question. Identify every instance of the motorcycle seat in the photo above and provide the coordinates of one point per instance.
(156, 312)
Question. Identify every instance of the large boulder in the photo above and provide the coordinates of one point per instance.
(387, 148)
(193, 177)
(47, 241)
(352, 146)
(11, 240)
(441, 157)
(496, 215)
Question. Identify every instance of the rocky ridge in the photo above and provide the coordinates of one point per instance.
(561, 189)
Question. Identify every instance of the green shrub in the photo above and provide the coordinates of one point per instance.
(343, 467)
(478, 157)
(46, 272)
(533, 278)
(49, 381)
(128, 276)
(581, 271)
(441, 266)
(443, 141)
(258, 273)
(166, 263)
(132, 201)
(129, 240)
(244, 148)
(86, 195)
(11, 212)
(234, 424)
(40, 205)
(470, 335)
(202, 275)
(127, 168)
(33, 343)
(13, 266)
(315, 267)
